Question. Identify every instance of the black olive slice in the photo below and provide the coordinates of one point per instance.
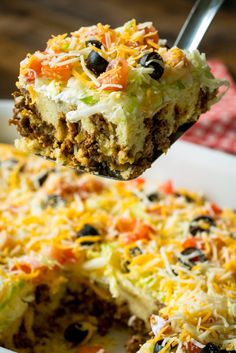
(96, 63)
(53, 200)
(191, 256)
(233, 235)
(87, 229)
(157, 347)
(94, 42)
(185, 196)
(135, 251)
(174, 272)
(75, 333)
(125, 266)
(153, 60)
(42, 177)
(201, 224)
(210, 348)
(154, 196)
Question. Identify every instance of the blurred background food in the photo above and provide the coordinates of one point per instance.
(25, 26)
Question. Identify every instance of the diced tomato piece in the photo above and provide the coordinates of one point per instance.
(155, 209)
(144, 231)
(167, 187)
(132, 230)
(33, 68)
(215, 208)
(22, 266)
(63, 255)
(59, 73)
(109, 36)
(27, 268)
(219, 243)
(141, 231)
(92, 185)
(132, 237)
(137, 183)
(191, 348)
(193, 242)
(151, 33)
(190, 243)
(30, 76)
(115, 74)
(125, 225)
(35, 64)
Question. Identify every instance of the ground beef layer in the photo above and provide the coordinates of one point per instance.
(70, 145)
(72, 320)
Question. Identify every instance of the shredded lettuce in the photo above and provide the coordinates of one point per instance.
(10, 292)
(89, 100)
(121, 285)
(180, 84)
(14, 305)
(202, 71)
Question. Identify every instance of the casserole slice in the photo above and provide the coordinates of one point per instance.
(108, 101)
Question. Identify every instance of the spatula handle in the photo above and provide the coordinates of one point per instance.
(197, 23)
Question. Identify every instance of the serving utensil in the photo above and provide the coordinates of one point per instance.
(4, 350)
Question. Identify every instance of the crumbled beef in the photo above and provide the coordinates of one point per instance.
(137, 325)
(29, 122)
(134, 343)
(122, 314)
(42, 293)
(21, 340)
(84, 301)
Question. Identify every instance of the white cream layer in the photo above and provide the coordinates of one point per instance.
(128, 109)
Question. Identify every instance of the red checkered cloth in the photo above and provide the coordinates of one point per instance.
(217, 128)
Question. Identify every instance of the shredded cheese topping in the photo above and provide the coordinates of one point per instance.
(142, 250)
(129, 42)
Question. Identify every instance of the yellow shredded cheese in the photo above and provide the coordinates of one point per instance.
(139, 254)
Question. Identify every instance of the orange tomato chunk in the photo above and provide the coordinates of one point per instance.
(151, 34)
(33, 68)
(215, 208)
(63, 255)
(191, 348)
(133, 230)
(59, 73)
(115, 74)
(167, 187)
